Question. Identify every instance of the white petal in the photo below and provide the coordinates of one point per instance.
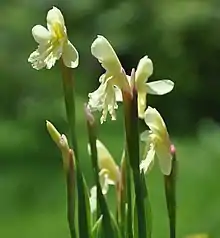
(160, 87)
(93, 199)
(41, 34)
(154, 121)
(142, 103)
(54, 15)
(35, 62)
(147, 163)
(118, 94)
(144, 136)
(106, 55)
(164, 157)
(70, 55)
(106, 162)
(104, 181)
(144, 70)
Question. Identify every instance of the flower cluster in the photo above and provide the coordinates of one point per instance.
(115, 83)
(54, 44)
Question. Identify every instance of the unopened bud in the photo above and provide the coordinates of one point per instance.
(54, 133)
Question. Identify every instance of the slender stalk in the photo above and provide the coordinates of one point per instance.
(121, 198)
(132, 139)
(68, 89)
(108, 230)
(129, 201)
(170, 191)
(70, 181)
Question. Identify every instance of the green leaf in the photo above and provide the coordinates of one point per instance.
(84, 215)
(97, 228)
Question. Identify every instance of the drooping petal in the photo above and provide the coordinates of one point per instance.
(164, 157)
(41, 34)
(104, 99)
(160, 87)
(70, 55)
(35, 60)
(147, 163)
(144, 71)
(54, 54)
(105, 54)
(154, 121)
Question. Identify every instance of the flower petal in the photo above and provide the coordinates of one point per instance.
(54, 15)
(160, 87)
(142, 101)
(144, 136)
(70, 55)
(144, 70)
(105, 54)
(164, 157)
(41, 34)
(118, 94)
(154, 121)
(93, 199)
(104, 180)
(147, 163)
(106, 161)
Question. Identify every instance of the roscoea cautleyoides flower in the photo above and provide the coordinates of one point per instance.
(160, 87)
(53, 43)
(157, 141)
(109, 173)
(113, 80)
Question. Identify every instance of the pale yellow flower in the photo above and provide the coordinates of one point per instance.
(105, 97)
(157, 141)
(109, 172)
(160, 87)
(53, 43)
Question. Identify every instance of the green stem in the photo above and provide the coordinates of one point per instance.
(70, 181)
(108, 229)
(170, 191)
(132, 139)
(68, 88)
(129, 201)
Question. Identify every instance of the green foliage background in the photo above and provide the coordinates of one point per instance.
(183, 40)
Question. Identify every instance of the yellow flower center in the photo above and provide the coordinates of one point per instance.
(58, 31)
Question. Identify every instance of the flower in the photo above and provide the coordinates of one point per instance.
(160, 87)
(109, 172)
(157, 142)
(53, 43)
(113, 80)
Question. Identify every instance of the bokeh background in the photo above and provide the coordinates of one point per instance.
(183, 40)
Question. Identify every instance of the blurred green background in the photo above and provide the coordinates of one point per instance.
(182, 37)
